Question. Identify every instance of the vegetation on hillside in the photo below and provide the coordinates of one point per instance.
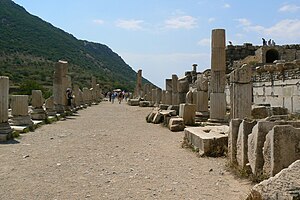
(29, 48)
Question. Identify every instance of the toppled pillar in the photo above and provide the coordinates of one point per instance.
(19, 111)
(38, 112)
(218, 76)
(5, 129)
(241, 92)
(60, 85)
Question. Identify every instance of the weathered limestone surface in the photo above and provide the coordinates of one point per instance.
(60, 84)
(281, 148)
(218, 76)
(138, 88)
(242, 142)
(241, 92)
(176, 124)
(49, 106)
(175, 96)
(232, 139)
(210, 140)
(188, 113)
(19, 107)
(154, 95)
(168, 96)
(201, 101)
(5, 129)
(133, 102)
(256, 142)
(189, 97)
(38, 112)
(217, 106)
(183, 88)
(283, 186)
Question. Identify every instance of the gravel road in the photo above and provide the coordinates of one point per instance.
(108, 151)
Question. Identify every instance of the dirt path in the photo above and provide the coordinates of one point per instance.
(108, 151)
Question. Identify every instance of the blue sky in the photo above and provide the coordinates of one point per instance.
(165, 37)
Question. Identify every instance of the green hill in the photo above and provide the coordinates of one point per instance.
(29, 47)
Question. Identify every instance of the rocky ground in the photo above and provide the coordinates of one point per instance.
(108, 151)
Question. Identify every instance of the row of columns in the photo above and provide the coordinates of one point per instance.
(56, 104)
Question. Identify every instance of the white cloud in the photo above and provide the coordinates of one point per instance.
(212, 19)
(204, 42)
(185, 22)
(226, 5)
(287, 29)
(244, 22)
(130, 24)
(98, 21)
(289, 8)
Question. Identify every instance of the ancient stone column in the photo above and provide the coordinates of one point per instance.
(49, 105)
(218, 76)
(154, 96)
(194, 73)
(169, 91)
(158, 96)
(60, 85)
(183, 88)
(38, 112)
(19, 111)
(94, 90)
(5, 129)
(241, 92)
(201, 95)
(138, 88)
(175, 97)
(86, 96)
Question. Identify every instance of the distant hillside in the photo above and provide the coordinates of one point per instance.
(29, 47)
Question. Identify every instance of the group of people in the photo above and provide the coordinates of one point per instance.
(120, 95)
(269, 43)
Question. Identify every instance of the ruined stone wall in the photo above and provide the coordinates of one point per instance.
(284, 94)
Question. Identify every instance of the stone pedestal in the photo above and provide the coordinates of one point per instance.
(38, 112)
(241, 92)
(217, 107)
(19, 108)
(218, 76)
(5, 129)
(49, 106)
(188, 113)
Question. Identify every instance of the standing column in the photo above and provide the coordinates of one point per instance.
(38, 112)
(175, 97)
(60, 84)
(5, 129)
(241, 92)
(168, 91)
(218, 73)
(201, 94)
(19, 111)
(138, 88)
